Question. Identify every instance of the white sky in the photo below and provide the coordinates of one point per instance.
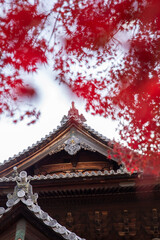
(54, 102)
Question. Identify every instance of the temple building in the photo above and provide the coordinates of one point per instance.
(65, 186)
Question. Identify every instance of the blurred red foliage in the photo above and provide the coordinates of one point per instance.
(106, 51)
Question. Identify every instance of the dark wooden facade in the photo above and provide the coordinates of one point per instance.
(91, 195)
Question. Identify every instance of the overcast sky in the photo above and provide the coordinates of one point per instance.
(54, 101)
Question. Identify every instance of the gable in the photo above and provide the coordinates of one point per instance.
(72, 136)
(30, 220)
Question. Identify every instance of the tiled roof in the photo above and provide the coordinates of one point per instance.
(72, 115)
(30, 200)
(71, 175)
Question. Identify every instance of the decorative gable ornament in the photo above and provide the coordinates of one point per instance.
(22, 189)
(72, 145)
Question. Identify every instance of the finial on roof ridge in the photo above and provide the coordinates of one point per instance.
(73, 113)
(73, 106)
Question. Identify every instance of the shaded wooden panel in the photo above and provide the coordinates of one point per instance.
(34, 234)
(69, 167)
(63, 162)
(9, 233)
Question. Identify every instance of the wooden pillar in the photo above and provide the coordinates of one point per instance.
(20, 230)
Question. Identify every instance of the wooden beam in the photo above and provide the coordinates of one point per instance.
(20, 230)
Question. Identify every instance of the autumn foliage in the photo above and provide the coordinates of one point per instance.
(106, 51)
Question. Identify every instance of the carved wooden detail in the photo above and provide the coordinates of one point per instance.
(152, 224)
(126, 225)
(97, 222)
(72, 167)
(69, 220)
(102, 225)
(109, 221)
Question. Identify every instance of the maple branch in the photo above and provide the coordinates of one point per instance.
(54, 26)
